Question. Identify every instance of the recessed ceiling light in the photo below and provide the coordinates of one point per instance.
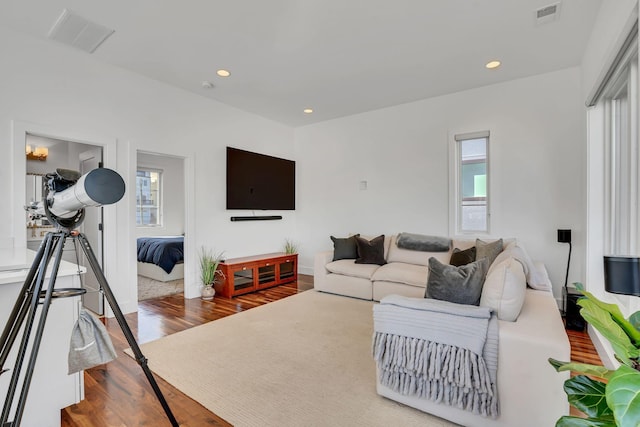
(207, 84)
(492, 64)
(223, 73)
(308, 110)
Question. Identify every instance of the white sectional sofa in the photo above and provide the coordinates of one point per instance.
(405, 273)
(530, 390)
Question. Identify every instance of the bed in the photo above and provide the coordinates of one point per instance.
(161, 257)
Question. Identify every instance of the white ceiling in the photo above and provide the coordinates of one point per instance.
(339, 57)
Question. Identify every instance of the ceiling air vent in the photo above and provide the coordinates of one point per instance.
(547, 14)
(76, 31)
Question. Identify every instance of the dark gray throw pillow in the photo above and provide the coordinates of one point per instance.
(489, 250)
(460, 257)
(370, 251)
(344, 248)
(462, 285)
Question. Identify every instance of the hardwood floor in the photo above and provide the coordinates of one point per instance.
(118, 394)
(582, 349)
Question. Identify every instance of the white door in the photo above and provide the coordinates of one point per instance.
(92, 228)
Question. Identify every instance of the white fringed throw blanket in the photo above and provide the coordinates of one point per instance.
(438, 350)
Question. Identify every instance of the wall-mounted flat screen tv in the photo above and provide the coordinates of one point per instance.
(261, 182)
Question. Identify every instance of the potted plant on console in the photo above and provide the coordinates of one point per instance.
(290, 247)
(209, 272)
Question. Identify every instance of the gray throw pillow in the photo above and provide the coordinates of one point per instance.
(370, 251)
(488, 250)
(460, 257)
(462, 285)
(344, 248)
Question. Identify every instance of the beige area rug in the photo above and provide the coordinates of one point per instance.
(304, 360)
(149, 288)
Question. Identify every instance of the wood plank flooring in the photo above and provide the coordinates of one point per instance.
(118, 394)
(582, 349)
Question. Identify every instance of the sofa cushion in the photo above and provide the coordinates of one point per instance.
(462, 285)
(463, 257)
(536, 279)
(344, 248)
(382, 288)
(348, 267)
(489, 250)
(397, 254)
(370, 251)
(355, 287)
(504, 289)
(408, 274)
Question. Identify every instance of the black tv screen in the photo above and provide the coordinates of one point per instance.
(258, 181)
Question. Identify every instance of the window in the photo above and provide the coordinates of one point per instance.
(471, 183)
(148, 197)
(621, 105)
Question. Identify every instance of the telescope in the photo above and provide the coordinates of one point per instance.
(67, 193)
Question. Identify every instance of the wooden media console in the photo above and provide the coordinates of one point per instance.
(249, 274)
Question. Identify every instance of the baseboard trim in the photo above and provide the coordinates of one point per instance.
(305, 270)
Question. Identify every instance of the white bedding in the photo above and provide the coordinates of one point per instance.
(154, 272)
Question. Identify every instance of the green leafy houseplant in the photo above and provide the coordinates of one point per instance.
(209, 262)
(607, 397)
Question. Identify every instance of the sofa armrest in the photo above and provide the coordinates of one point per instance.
(320, 271)
(525, 346)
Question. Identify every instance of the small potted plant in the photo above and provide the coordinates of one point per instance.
(209, 272)
(290, 247)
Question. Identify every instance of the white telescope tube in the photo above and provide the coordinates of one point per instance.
(99, 187)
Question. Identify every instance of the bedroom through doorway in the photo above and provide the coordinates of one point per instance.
(160, 224)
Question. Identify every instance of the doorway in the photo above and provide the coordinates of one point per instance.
(82, 158)
(160, 224)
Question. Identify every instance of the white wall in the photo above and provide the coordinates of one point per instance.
(173, 195)
(72, 96)
(536, 145)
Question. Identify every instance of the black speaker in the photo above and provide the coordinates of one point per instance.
(256, 218)
(573, 319)
(622, 275)
(564, 236)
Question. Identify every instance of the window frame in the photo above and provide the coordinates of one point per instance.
(456, 199)
(159, 204)
(620, 99)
